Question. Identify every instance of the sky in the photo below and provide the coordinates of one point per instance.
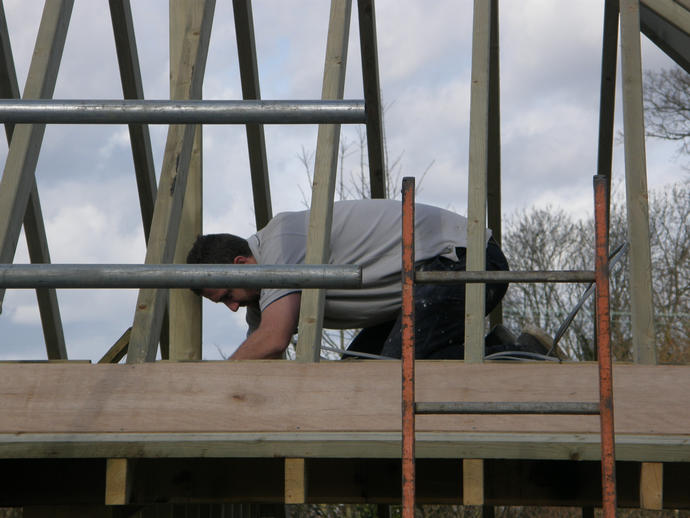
(550, 66)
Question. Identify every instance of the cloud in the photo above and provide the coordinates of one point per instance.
(550, 66)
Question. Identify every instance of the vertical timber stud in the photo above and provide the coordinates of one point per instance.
(601, 267)
(325, 166)
(132, 88)
(477, 196)
(607, 96)
(408, 339)
(652, 485)
(184, 305)
(644, 349)
(18, 177)
(472, 482)
(118, 481)
(256, 143)
(295, 481)
(476, 204)
(372, 97)
(34, 227)
(167, 214)
(139, 136)
(493, 195)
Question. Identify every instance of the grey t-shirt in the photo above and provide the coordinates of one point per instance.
(365, 233)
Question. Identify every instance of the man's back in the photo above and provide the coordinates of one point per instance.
(366, 233)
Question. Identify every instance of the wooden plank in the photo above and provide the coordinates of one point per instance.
(473, 482)
(493, 194)
(118, 481)
(185, 306)
(118, 350)
(167, 215)
(642, 312)
(256, 142)
(34, 228)
(18, 177)
(437, 445)
(607, 94)
(669, 38)
(672, 11)
(477, 187)
(372, 98)
(332, 397)
(295, 481)
(651, 485)
(132, 88)
(323, 189)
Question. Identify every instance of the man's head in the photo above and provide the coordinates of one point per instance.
(223, 249)
(218, 249)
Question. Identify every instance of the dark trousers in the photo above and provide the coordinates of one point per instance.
(439, 313)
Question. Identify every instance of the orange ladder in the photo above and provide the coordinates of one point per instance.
(605, 405)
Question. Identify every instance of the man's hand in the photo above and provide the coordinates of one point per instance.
(271, 338)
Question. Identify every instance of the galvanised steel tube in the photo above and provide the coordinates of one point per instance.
(178, 276)
(503, 276)
(181, 112)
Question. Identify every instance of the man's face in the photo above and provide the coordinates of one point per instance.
(233, 298)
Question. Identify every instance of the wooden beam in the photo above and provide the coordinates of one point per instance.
(185, 306)
(433, 445)
(372, 97)
(323, 189)
(493, 193)
(18, 178)
(642, 311)
(295, 481)
(132, 88)
(118, 481)
(672, 11)
(473, 482)
(167, 215)
(118, 350)
(333, 397)
(256, 142)
(652, 485)
(477, 187)
(34, 228)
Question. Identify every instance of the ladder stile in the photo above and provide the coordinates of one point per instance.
(408, 348)
(603, 333)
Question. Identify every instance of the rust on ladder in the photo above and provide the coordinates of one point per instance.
(608, 458)
(407, 330)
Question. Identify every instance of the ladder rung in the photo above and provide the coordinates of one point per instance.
(544, 407)
(504, 276)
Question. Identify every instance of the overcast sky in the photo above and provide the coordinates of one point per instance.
(550, 66)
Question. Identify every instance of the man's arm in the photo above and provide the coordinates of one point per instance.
(271, 338)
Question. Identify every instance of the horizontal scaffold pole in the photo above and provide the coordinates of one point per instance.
(178, 276)
(503, 276)
(181, 112)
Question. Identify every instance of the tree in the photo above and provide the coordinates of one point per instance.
(547, 239)
(667, 106)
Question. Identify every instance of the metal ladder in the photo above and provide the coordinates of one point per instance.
(410, 407)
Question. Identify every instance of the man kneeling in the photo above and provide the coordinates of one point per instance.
(365, 233)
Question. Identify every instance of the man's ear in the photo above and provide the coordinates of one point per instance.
(240, 259)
